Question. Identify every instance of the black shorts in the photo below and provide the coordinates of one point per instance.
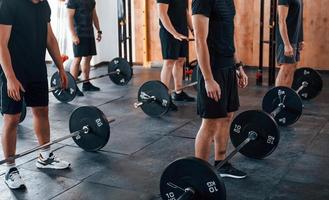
(172, 49)
(282, 59)
(229, 101)
(86, 47)
(36, 95)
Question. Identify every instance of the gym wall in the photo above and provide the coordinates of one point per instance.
(316, 26)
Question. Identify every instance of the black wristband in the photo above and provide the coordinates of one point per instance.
(100, 32)
(238, 65)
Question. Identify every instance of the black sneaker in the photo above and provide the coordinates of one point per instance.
(173, 107)
(89, 87)
(182, 97)
(14, 180)
(227, 170)
(79, 93)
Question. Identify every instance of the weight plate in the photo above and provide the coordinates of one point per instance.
(97, 123)
(194, 173)
(293, 106)
(61, 95)
(125, 74)
(193, 64)
(265, 127)
(195, 77)
(313, 80)
(158, 90)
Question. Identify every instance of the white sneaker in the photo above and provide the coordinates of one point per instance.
(14, 180)
(51, 163)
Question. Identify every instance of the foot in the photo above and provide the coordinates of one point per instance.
(227, 170)
(89, 87)
(51, 163)
(14, 180)
(173, 107)
(79, 93)
(182, 97)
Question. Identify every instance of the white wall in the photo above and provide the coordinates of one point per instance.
(107, 49)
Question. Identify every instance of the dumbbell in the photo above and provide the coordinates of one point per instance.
(253, 133)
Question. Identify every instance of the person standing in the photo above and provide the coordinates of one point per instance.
(174, 23)
(82, 16)
(218, 99)
(290, 39)
(25, 34)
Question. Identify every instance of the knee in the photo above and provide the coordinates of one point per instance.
(40, 112)
(11, 121)
(169, 63)
(180, 62)
(288, 71)
(210, 127)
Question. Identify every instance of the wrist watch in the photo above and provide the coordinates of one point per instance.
(100, 32)
(238, 65)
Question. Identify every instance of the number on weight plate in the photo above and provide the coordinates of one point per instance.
(270, 139)
(99, 122)
(237, 128)
(171, 196)
(212, 187)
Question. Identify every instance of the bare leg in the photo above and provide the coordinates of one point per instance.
(166, 71)
(221, 137)
(286, 75)
(41, 124)
(9, 135)
(74, 69)
(205, 137)
(85, 67)
(178, 73)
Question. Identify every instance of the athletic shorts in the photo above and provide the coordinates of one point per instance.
(282, 59)
(36, 95)
(172, 49)
(86, 47)
(229, 102)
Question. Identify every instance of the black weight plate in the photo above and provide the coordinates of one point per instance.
(293, 105)
(195, 77)
(195, 173)
(310, 76)
(95, 119)
(261, 123)
(125, 74)
(160, 91)
(61, 95)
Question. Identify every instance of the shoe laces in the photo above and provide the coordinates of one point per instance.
(14, 176)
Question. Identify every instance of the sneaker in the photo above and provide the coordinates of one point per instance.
(14, 180)
(173, 107)
(51, 163)
(182, 97)
(79, 93)
(89, 87)
(227, 170)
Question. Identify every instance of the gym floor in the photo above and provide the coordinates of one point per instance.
(140, 147)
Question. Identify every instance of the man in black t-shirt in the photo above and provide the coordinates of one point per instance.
(213, 22)
(25, 34)
(290, 39)
(174, 23)
(82, 15)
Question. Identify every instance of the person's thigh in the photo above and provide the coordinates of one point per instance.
(233, 102)
(170, 47)
(8, 105)
(283, 59)
(37, 94)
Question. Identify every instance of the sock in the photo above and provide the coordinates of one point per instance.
(45, 153)
(10, 166)
(217, 162)
(179, 92)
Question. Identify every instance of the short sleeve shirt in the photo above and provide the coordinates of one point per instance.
(28, 39)
(220, 39)
(83, 17)
(294, 21)
(177, 14)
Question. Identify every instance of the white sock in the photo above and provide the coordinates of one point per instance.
(9, 166)
(45, 153)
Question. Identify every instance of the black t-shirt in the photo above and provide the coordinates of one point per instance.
(294, 21)
(221, 30)
(83, 17)
(28, 39)
(177, 14)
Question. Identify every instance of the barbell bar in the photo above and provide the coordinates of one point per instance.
(89, 128)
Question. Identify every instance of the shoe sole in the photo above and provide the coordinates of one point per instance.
(40, 166)
(232, 176)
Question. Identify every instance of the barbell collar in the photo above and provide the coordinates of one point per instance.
(304, 85)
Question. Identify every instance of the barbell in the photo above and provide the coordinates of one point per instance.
(119, 71)
(154, 98)
(89, 129)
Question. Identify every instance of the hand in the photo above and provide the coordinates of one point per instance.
(213, 89)
(64, 79)
(301, 46)
(14, 89)
(75, 40)
(242, 78)
(99, 37)
(288, 50)
(180, 37)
